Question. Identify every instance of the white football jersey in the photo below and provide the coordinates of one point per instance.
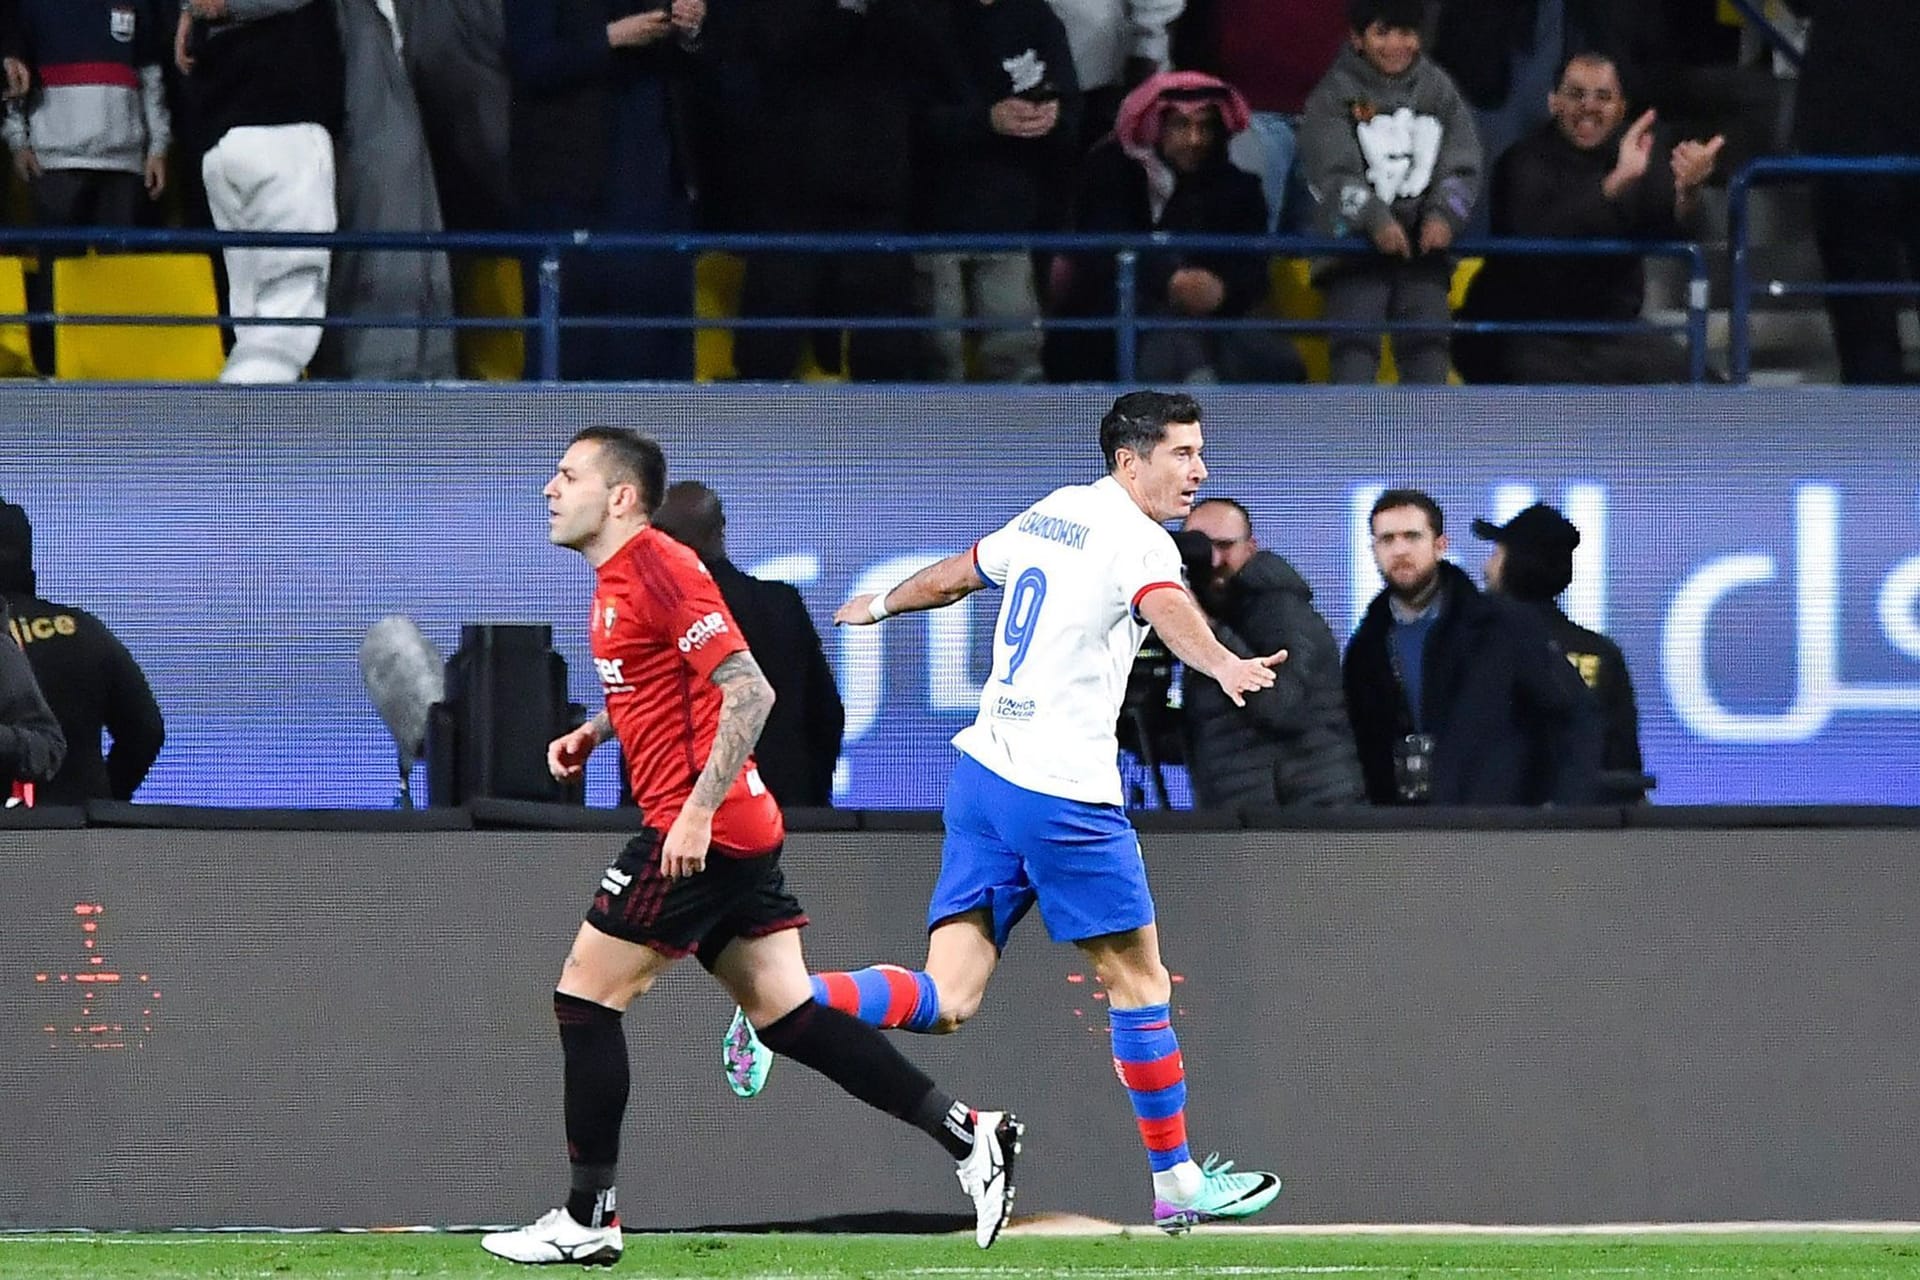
(1073, 569)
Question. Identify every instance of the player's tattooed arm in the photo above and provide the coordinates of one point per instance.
(602, 726)
(747, 698)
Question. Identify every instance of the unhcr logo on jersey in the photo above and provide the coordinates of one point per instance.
(1067, 533)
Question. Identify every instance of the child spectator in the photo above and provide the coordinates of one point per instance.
(1390, 154)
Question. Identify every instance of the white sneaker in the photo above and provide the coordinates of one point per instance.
(556, 1237)
(987, 1173)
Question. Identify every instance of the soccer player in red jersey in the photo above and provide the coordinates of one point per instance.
(687, 701)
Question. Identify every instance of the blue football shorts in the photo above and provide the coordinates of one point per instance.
(1007, 848)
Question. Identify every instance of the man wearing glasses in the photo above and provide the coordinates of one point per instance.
(1291, 744)
(1585, 174)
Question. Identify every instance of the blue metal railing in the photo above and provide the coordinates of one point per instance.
(547, 249)
(1740, 234)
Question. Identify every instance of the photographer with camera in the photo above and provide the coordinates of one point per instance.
(1290, 744)
(1458, 697)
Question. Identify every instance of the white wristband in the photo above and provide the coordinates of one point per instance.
(877, 607)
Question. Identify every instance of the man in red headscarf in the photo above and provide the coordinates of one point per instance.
(1165, 169)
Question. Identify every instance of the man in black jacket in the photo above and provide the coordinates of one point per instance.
(996, 112)
(594, 141)
(800, 745)
(1585, 174)
(31, 744)
(1458, 697)
(1532, 563)
(1291, 744)
(1165, 169)
(825, 144)
(88, 678)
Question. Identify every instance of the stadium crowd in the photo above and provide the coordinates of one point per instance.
(1406, 124)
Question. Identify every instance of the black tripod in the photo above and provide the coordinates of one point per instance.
(1149, 725)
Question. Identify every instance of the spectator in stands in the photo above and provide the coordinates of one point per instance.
(88, 678)
(593, 146)
(90, 137)
(1290, 744)
(456, 57)
(90, 132)
(16, 81)
(266, 80)
(1165, 169)
(1506, 56)
(800, 745)
(1532, 563)
(998, 113)
(1390, 154)
(1274, 52)
(31, 744)
(1584, 174)
(385, 184)
(1458, 697)
(829, 150)
(1860, 96)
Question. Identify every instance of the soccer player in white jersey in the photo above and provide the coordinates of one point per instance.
(1034, 809)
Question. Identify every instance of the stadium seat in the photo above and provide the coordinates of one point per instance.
(1293, 296)
(146, 284)
(717, 280)
(490, 286)
(1463, 273)
(716, 296)
(16, 357)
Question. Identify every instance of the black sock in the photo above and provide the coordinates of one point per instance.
(858, 1058)
(595, 1050)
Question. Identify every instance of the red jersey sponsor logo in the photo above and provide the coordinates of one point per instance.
(703, 630)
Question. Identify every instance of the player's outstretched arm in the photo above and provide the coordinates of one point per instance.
(938, 584)
(1177, 620)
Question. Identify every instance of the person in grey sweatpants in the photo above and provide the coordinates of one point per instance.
(1390, 153)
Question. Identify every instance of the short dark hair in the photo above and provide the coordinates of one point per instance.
(1409, 498)
(691, 513)
(627, 457)
(1599, 58)
(1245, 515)
(1392, 14)
(1139, 421)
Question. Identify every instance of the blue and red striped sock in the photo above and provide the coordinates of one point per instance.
(884, 995)
(1146, 1057)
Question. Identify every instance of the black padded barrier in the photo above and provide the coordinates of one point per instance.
(1497, 1025)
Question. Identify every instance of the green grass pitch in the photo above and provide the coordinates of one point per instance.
(1839, 1256)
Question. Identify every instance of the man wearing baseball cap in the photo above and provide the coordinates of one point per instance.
(1532, 563)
